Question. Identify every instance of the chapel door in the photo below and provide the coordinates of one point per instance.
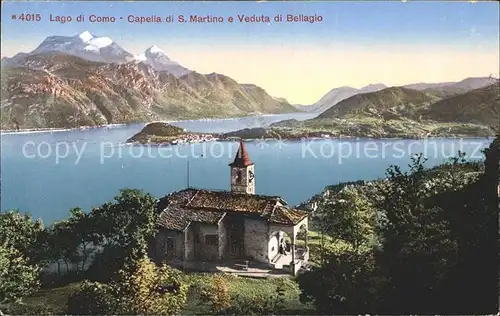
(236, 240)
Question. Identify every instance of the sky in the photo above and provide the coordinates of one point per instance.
(355, 44)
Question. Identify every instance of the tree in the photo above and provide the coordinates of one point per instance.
(83, 230)
(419, 249)
(140, 288)
(349, 217)
(18, 278)
(492, 170)
(347, 283)
(22, 233)
(437, 250)
(63, 244)
(122, 228)
(73, 240)
(129, 222)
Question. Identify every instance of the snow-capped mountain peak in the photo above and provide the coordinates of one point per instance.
(155, 50)
(158, 60)
(140, 57)
(156, 53)
(102, 49)
(94, 43)
(86, 46)
(85, 36)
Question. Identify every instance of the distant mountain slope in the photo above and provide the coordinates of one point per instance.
(402, 112)
(337, 95)
(447, 89)
(58, 90)
(479, 106)
(441, 90)
(391, 101)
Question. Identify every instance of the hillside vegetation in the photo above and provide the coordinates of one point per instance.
(403, 112)
(480, 106)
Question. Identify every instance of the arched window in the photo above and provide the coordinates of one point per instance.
(238, 177)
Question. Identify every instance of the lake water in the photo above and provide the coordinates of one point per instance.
(47, 173)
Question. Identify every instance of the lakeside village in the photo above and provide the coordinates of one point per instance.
(194, 138)
(160, 133)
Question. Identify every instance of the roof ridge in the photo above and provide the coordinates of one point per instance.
(271, 213)
(194, 195)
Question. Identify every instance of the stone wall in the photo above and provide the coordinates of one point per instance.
(257, 240)
(203, 235)
(177, 239)
(190, 244)
(223, 238)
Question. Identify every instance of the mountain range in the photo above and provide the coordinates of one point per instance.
(442, 90)
(87, 80)
(72, 81)
(405, 112)
(477, 106)
(100, 49)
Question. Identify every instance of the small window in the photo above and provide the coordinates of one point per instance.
(211, 240)
(239, 177)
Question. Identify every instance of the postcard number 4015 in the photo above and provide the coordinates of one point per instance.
(32, 17)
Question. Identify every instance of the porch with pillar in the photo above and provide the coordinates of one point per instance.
(297, 255)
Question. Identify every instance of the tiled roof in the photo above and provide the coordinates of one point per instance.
(179, 218)
(241, 160)
(287, 216)
(233, 202)
(180, 208)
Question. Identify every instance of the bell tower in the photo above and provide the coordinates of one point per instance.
(242, 172)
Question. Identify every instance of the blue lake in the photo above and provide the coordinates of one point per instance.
(47, 173)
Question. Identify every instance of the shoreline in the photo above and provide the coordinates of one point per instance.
(348, 138)
(86, 127)
(181, 141)
(57, 130)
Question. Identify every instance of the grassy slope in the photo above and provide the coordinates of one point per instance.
(397, 100)
(53, 301)
(249, 287)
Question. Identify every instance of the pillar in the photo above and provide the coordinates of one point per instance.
(307, 236)
(185, 256)
(292, 265)
(306, 253)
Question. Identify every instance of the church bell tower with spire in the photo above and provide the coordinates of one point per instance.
(242, 172)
